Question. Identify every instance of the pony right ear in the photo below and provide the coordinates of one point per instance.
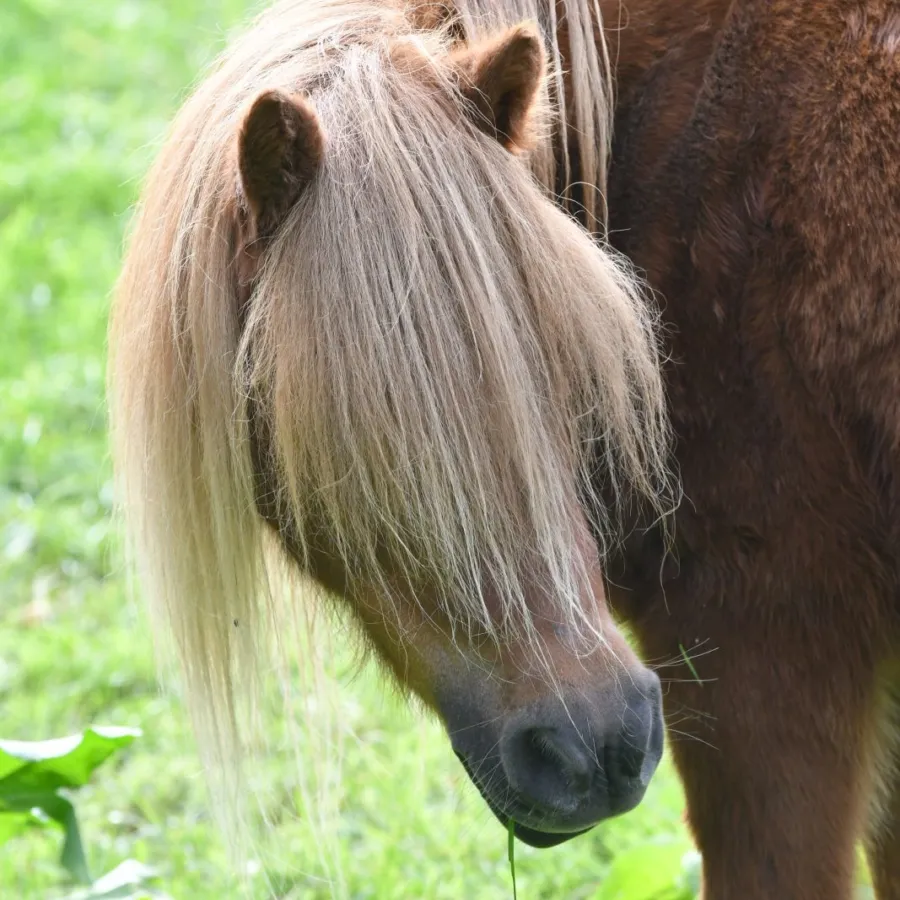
(280, 146)
(501, 79)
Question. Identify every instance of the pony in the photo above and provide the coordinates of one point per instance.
(755, 181)
(355, 341)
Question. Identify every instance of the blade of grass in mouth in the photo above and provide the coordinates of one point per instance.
(511, 854)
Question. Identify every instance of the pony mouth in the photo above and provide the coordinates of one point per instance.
(533, 836)
(539, 839)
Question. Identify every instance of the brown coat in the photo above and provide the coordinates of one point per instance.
(756, 182)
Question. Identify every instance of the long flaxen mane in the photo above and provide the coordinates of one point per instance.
(440, 356)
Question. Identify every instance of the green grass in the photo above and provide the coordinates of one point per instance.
(86, 91)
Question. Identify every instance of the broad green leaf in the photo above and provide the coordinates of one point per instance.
(30, 808)
(34, 771)
(126, 882)
(64, 762)
(650, 871)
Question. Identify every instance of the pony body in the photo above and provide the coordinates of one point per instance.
(755, 179)
(352, 325)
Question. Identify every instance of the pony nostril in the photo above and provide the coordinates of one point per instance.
(551, 749)
(630, 757)
(548, 766)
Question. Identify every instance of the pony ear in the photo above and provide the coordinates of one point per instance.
(280, 146)
(500, 78)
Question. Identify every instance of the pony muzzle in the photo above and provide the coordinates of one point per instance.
(558, 766)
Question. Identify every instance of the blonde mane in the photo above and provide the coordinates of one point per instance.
(421, 287)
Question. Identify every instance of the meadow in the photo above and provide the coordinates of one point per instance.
(86, 92)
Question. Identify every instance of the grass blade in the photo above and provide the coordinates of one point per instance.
(511, 854)
(690, 665)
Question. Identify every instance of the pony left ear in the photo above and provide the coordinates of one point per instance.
(280, 146)
(500, 79)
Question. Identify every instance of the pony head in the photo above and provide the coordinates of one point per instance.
(353, 333)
